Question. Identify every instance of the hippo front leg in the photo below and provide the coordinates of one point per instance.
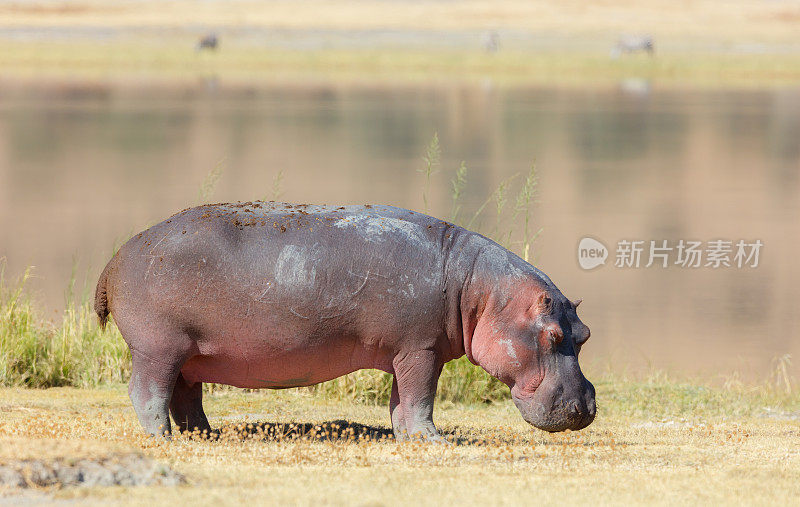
(416, 375)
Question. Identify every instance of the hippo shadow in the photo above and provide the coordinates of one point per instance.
(338, 430)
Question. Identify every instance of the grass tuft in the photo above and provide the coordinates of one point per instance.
(460, 382)
(522, 206)
(209, 185)
(38, 353)
(432, 159)
(458, 183)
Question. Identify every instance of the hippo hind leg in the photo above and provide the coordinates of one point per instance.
(416, 375)
(156, 365)
(150, 390)
(187, 407)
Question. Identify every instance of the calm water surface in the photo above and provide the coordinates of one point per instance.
(82, 167)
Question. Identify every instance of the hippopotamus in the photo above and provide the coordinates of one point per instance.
(275, 295)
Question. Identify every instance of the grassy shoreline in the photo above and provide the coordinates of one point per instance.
(139, 64)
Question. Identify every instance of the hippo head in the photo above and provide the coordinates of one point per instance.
(531, 341)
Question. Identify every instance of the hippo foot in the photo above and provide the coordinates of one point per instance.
(423, 435)
(165, 436)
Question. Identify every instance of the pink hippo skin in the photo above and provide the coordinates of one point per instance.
(274, 295)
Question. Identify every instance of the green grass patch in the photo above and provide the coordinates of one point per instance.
(659, 396)
(73, 352)
(242, 64)
(460, 382)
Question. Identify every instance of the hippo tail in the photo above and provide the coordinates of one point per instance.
(101, 296)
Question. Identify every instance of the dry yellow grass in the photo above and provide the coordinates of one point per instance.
(706, 458)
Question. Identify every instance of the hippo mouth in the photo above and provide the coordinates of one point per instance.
(549, 410)
(568, 417)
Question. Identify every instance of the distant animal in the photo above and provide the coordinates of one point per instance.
(275, 295)
(633, 44)
(209, 41)
(491, 41)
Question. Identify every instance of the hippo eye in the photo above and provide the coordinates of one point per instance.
(544, 304)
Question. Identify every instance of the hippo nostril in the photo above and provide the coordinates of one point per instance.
(592, 406)
(574, 409)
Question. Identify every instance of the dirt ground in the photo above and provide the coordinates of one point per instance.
(496, 458)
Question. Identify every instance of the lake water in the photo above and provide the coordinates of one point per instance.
(84, 166)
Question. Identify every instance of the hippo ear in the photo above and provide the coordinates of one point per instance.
(544, 303)
(576, 303)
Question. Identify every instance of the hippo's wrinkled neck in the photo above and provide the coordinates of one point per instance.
(457, 269)
(492, 276)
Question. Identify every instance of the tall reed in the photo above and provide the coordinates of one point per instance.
(432, 159)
